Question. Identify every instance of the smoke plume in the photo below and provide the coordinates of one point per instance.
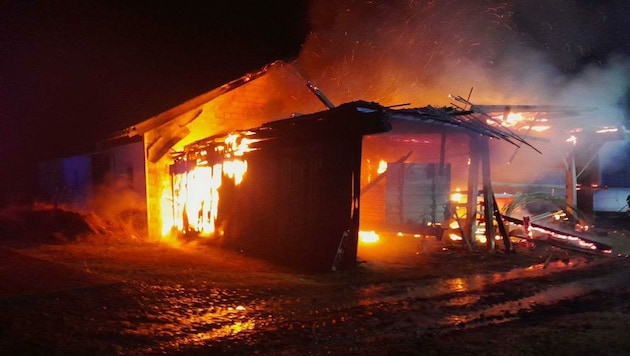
(569, 53)
(421, 51)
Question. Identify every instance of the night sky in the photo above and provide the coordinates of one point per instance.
(72, 72)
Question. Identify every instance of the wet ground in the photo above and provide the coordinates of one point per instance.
(98, 297)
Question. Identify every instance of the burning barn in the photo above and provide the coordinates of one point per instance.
(222, 165)
(287, 191)
(290, 190)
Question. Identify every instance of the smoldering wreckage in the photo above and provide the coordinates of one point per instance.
(299, 191)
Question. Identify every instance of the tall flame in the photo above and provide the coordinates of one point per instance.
(195, 194)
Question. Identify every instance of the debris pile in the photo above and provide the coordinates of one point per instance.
(42, 224)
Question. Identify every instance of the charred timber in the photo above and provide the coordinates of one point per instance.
(600, 247)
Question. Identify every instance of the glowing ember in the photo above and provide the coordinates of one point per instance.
(455, 237)
(382, 167)
(608, 129)
(536, 128)
(457, 197)
(568, 238)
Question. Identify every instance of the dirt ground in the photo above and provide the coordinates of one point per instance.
(100, 295)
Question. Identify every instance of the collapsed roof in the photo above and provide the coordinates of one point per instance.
(408, 120)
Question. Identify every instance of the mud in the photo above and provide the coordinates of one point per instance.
(141, 298)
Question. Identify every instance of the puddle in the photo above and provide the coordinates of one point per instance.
(378, 294)
(503, 312)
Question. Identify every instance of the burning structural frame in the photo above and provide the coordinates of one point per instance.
(301, 192)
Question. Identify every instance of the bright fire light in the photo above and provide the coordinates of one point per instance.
(193, 202)
(519, 121)
(382, 167)
(237, 145)
(512, 119)
(608, 129)
(457, 197)
(235, 169)
(368, 236)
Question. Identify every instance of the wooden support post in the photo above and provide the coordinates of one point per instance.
(442, 153)
(504, 233)
(473, 190)
(463, 231)
(484, 148)
(571, 181)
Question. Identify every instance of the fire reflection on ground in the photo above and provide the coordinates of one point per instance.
(457, 288)
(180, 316)
(510, 310)
(176, 302)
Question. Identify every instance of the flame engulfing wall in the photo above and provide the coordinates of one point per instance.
(278, 93)
(298, 195)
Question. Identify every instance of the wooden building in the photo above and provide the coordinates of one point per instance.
(270, 166)
(296, 200)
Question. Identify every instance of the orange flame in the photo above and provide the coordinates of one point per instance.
(520, 121)
(457, 197)
(382, 167)
(195, 194)
(368, 237)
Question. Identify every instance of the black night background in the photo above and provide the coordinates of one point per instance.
(73, 72)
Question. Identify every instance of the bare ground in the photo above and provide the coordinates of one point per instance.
(107, 296)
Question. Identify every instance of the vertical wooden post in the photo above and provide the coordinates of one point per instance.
(473, 190)
(502, 229)
(442, 153)
(571, 180)
(488, 199)
(355, 171)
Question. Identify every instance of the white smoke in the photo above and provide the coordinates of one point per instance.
(419, 52)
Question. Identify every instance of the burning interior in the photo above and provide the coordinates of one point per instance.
(286, 191)
(301, 191)
(296, 191)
